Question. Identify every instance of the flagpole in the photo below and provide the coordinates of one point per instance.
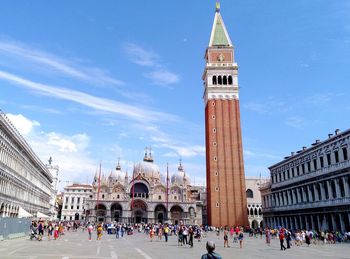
(167, 187)
(133, 188)
(98, 188)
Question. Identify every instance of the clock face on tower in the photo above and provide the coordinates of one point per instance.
(221, 57)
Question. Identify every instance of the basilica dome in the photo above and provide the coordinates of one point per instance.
(117, 174)
(147, 169)
(180, 176)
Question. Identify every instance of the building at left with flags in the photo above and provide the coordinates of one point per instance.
(146, 196)
(26, 183)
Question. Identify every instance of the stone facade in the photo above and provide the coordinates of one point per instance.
(25, 182)
(146, 196)
(74, 201)
(254, 207)
(311, 188)
(226, 198)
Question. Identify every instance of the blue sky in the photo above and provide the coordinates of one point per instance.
(86, 81)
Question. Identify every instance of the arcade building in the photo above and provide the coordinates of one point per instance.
(146, 197)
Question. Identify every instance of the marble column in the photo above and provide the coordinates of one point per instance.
(330, 191)
(316, 192)
(312, 222)
(296, 223)
(334, 226)
(299, 200)
(346, 186)
(307, 225)
(294, 197)
(301, 225)
(325, 225)
(309, 193)
(323, 193)
(341, 220)
(337, 188)
(319, 223)
(303, 193)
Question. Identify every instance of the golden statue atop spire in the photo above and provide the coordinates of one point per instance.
(217, 6)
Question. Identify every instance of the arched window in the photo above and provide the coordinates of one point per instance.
(251, 212)
(220, 80)
(260, 211)
(248, 212)
(230, 80)
(255, 212)
(225, 80)
(214, 80)
(249, 193)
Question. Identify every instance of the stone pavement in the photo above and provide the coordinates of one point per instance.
(76, 245)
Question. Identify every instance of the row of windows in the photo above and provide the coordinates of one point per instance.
(222, 80)
(72, 207)
(331, 189)
(73, 199)
(254, 212)
(310, 166)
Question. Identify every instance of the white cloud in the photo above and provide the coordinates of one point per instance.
(295, 122)
(22, 124)
(162, 77)
(96, 103)
(82, 72)
(148, 58)
(140, 56)
(68, 144)
(70, 153)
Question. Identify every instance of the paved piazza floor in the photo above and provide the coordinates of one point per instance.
(76, 245)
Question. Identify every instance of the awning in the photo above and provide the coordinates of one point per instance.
(42, 215)
(22, 213)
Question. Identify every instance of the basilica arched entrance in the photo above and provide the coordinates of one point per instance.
(176, 214)
(160, 213)
(139, 211)
(139, 190)
(101, 212)
(116, 212)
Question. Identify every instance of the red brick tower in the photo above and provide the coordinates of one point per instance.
(226, 196)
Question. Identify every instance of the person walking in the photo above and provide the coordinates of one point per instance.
(184, 235)
(190, 234)
(151, 233)
(166, 231)
(90, 228)
(99, 231)
(226, 237)
(288, 238)
(268, 236)
(49, 231)
(240, 238)
(281, 236)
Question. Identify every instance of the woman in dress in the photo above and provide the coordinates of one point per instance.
(99, 232)
(151, 233)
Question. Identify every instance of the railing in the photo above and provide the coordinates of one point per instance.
(140, 195)
(324, 170)
(310, 205)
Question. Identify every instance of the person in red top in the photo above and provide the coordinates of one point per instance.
(282, 239)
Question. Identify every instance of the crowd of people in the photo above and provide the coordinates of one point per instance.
(186, 234)
(308, 237)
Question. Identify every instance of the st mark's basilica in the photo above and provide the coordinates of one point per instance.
(146, 196)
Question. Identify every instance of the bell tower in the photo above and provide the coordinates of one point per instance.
(226, 197)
